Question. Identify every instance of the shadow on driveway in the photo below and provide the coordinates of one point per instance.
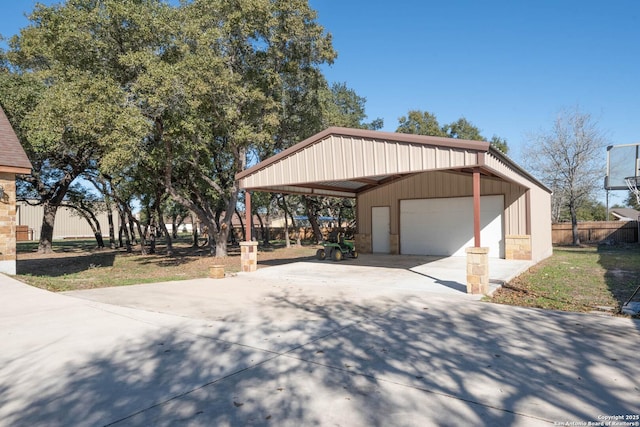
(409, 360)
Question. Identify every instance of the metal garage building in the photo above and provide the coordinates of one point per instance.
(418, 194)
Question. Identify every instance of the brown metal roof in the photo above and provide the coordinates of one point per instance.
(13, 159)
(344, 162)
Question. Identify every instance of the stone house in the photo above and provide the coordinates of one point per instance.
(13, 161)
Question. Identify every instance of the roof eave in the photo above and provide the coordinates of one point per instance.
(15, 169)
(496, 152)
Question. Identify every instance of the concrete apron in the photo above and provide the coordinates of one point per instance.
(440, 275)
(249, 350)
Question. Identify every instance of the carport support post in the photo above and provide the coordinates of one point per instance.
(248, 249)
(476, 207)
(247, 216)
(477, 257)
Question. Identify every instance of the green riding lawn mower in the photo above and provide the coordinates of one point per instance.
(336, 248)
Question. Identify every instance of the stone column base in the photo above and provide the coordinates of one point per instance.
(248, 256)
(216, 271)
(477, 270)
(363, 243)
(518, 247)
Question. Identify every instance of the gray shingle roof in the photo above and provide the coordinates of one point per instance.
(626, 213)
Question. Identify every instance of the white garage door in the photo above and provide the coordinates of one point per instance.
(445, 226)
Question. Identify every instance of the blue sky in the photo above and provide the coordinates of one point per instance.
(508, 66)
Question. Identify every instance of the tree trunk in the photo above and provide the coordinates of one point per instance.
(120, 233)
(163, 228)
(112, 233)
(143, 241)
(194, 231)
(287, 242)
(174, 226)
(132, 228)
(266, 237)
(152, 240)
(261, 223)
(211, 236)
(221, 242)
(222, 234)
(124, 230)
(46, 231)
(243, 231)
(176, 222)
(313, 219)
(99, 239)
(93, 222)
(574, 224)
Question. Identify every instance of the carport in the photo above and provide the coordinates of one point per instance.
(417, 195)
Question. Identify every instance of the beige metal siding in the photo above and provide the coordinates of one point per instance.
(341, 158)
(68, 224)
(439, 184)
(541, 246)
(539, 211)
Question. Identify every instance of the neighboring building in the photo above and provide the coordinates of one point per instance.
(415, 194)
(13, 160)
(625, 214)
(69, 224)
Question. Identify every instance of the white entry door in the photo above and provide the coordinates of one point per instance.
(380, 230)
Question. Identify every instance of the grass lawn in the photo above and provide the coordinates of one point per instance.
(77, 264)
(577, 279)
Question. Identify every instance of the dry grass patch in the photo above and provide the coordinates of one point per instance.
(78, 264)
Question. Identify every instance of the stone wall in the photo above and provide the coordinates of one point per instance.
(363, 243)
(394, 244)
(517, 247)
(8, 224)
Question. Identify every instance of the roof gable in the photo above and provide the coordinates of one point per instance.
(343, 162)
(12, 156)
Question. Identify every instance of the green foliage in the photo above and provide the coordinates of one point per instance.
(499, 143)
(426, 123)
(169, 99)
(592, 210)
(589, 210)
(632, 201)
(74, 113)
(463, 129)
(420, 123)
(343, 107)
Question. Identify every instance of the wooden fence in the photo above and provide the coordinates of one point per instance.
(595, 232)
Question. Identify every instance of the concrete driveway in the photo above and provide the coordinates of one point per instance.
(441, 275)
(264, 349)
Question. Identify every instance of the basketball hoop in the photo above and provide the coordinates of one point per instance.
(632, 183)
